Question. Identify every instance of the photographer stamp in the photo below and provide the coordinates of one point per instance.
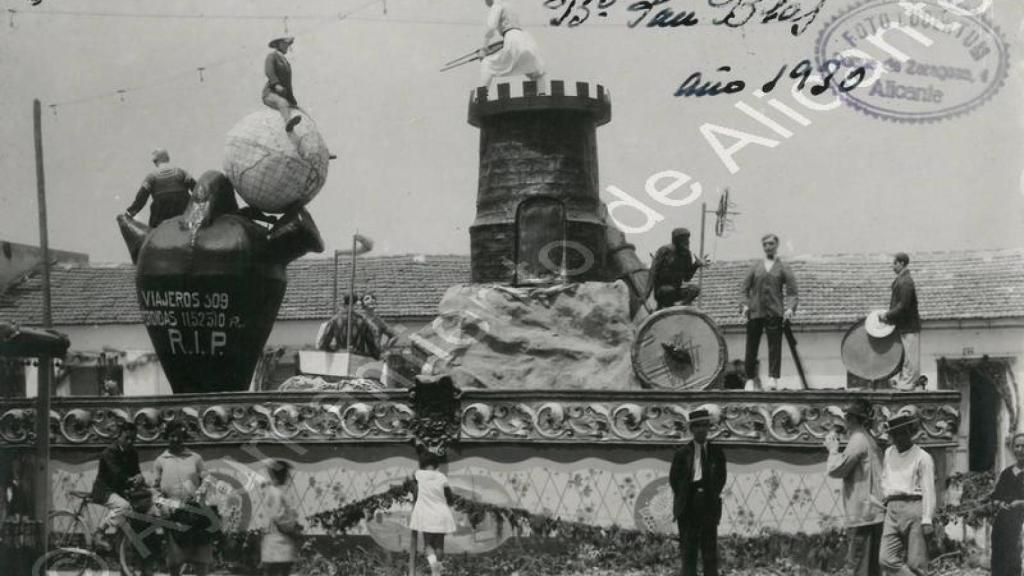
(926, 61)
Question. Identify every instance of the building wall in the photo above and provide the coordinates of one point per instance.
(820, 351)
(148, 378)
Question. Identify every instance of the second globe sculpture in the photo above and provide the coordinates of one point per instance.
(210, 281)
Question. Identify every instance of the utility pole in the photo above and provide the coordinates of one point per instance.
(42, 468)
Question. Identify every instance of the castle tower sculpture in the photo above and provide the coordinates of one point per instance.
(538, 213)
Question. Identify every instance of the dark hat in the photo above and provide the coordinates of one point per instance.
(175, 426)
(700, 416)
(900, 420)
(279, 466)
(859, 407)
(283, 40)
(680, 232)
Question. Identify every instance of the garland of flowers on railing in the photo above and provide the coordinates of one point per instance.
(343, 519)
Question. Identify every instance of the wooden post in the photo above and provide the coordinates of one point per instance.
(351, 301)
(335, 312)
(700, 271)
(412, 553)
(41, 491)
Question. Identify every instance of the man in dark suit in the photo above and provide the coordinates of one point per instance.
(697, 478)
(118, 473)
(903, 314)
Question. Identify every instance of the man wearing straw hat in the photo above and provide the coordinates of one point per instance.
(170, 188)
(908, 486)
(278, 91)
(860, 467)
(903, 315)
(697, 478)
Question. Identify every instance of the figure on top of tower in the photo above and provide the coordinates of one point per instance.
(519, 53)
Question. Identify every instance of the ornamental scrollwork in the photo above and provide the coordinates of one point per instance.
(787, 423)
(437, 417)
(86, 424)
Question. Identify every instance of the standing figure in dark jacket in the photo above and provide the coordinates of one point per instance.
(278, 91)
(118, 473)
(903, 315)
(673, 268)
(697, 478)
(764, 309)
(170, 188)
(1007, 555)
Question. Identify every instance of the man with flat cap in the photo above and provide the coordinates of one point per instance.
(902, 314)
(697, 478)
(673, 267)
(860, 468)
(278, 91)
(908, 486)
(169, 186)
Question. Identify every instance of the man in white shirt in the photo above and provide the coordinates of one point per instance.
(908, 485)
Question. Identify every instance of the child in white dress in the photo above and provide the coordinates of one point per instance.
(430, 513)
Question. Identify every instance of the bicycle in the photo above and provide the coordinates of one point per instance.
(71, 546)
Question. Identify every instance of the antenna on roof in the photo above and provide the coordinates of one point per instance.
(723, 225)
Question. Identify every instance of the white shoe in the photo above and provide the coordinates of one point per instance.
(750, 385)
(772, 384)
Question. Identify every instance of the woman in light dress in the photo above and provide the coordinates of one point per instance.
(519, 53)
(279, 547)
(430, 513)
(179, 478)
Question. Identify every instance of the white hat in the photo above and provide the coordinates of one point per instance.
(875, 327)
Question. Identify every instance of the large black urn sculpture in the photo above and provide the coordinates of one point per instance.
(210, 283)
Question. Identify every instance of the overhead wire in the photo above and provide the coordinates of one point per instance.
(201, 70)
(204, 69)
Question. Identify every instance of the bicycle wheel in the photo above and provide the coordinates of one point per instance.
(68, 530)
(72, 562)
(128, 557)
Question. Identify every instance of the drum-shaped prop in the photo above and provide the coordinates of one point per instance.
(871, 358)
(679, 348)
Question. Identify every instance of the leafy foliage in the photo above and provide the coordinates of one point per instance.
(974, 506)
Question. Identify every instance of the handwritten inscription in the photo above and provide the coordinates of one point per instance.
(668, 14)
(696, 86)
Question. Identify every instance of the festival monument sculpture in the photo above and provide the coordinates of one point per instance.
(211, 280)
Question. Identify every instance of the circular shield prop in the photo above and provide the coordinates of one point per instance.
(868, 357)
(679, 348)
(875, 327)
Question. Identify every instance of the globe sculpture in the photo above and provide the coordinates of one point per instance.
(272, 170)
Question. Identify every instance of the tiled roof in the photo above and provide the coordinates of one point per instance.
(844, 288)
(833, 289)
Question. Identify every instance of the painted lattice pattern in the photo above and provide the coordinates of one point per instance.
(762, 496)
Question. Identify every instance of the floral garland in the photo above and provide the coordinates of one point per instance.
(343, 519)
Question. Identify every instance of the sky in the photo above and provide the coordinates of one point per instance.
(406, 176)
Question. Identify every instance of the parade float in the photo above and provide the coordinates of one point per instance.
(565, 397)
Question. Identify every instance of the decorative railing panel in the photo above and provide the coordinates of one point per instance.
(787, 418)
(772, 418)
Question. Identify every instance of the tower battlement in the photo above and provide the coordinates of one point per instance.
(562, 95)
